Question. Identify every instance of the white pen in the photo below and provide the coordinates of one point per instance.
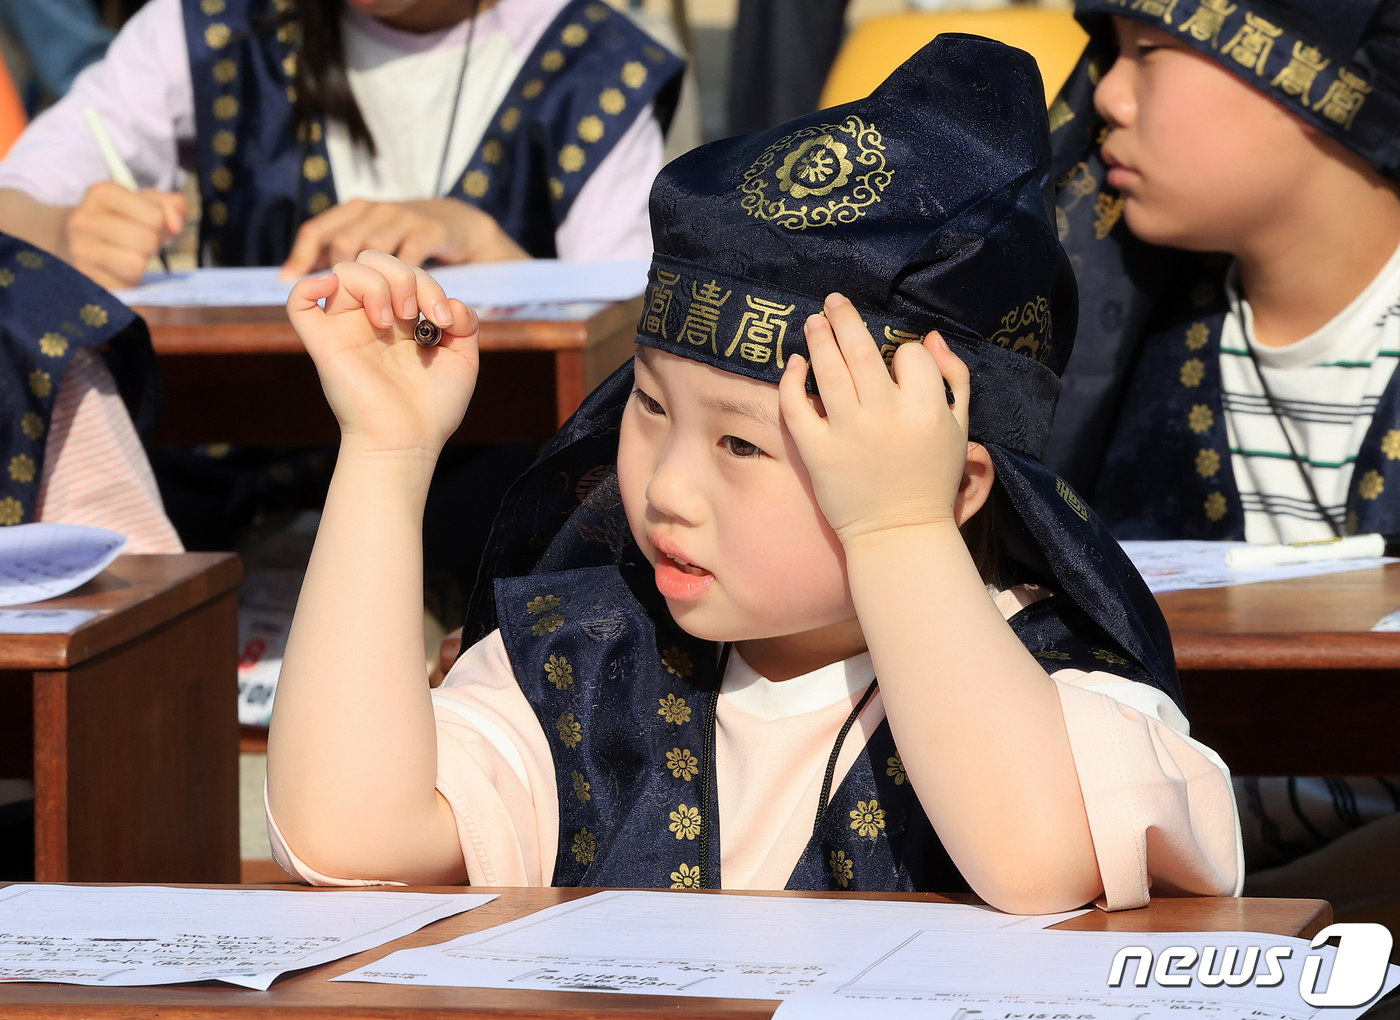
(1353, 547)
(116, 166)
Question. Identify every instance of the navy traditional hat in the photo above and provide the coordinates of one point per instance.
(929, 204)
(1141, 428)
(1333, 63)
(48, 312)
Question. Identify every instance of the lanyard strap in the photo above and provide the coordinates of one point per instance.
(836, 750)
(1292, 450)
(707, 765)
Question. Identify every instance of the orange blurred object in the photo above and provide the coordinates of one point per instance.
(13, 119)
(878, 45)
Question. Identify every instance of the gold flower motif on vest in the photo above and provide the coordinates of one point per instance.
(1207, 463)
(842, 868)
(585, 846)
(685, 877)
(682, 763)
(868, 818)
(582, 787)
(673, 709)
(559, 671)
(894, 768)
(22, 468)
(685, 822)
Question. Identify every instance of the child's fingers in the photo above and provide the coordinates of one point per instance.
(829, 367)
(405, 283)
(312, 237)
(858, 348)
(952, 369)
(800, 417)
(362, 288)
(462, 322)
(303, 304)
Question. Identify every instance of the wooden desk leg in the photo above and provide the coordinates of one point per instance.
(136, 758)
(569, 387)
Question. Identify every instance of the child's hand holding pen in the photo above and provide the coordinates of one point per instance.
(890, 451)
(390, 392)
(117, 228)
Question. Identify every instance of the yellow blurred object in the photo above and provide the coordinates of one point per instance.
(878, 45)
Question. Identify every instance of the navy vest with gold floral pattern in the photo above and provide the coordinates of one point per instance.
(262, 173)
(48, 312)
(626, 700)
(1168, 471)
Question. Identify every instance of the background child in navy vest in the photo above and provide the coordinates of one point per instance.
(1228, 191)
(533, 128)
(696, 585)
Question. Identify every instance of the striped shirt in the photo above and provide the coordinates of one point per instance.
(1326, 386)
(95, 470)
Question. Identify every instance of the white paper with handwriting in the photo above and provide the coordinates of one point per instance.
(1066, 974)
(666, 943)
(1187, 564)
(43, 561)
(150, 935)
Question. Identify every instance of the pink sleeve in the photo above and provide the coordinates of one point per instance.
(494, 770)
(142, 89)
(610, 219)
(1160, 806)
(95, 470)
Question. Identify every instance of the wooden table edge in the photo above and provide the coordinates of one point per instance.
(1204, 650)
(222, 572)
(264, 329)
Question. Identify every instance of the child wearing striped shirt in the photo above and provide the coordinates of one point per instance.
(1228, 194)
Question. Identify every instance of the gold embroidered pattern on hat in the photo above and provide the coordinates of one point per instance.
(1027, 330)
(842, 163)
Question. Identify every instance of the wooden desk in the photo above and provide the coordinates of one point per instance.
(310, 995)
(1286, 678)
(241, 375)
(128, 726)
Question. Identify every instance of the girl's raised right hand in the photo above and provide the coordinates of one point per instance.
(387, 392)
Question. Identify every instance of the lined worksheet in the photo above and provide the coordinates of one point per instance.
(43, 561)
(149, 935)
(664, 943)
(1066, 973)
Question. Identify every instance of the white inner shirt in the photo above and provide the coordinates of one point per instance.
(404, 78)
(1326, 386)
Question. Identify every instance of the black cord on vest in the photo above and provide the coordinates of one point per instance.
(456, 100)
(1292, 450)
(836, 750)
(707, 766)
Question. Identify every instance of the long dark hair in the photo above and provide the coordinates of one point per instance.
(322, 86)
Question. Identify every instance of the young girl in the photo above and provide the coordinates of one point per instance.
(458, 130)
(688, 600)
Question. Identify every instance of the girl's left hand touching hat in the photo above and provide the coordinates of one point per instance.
(890, 452)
